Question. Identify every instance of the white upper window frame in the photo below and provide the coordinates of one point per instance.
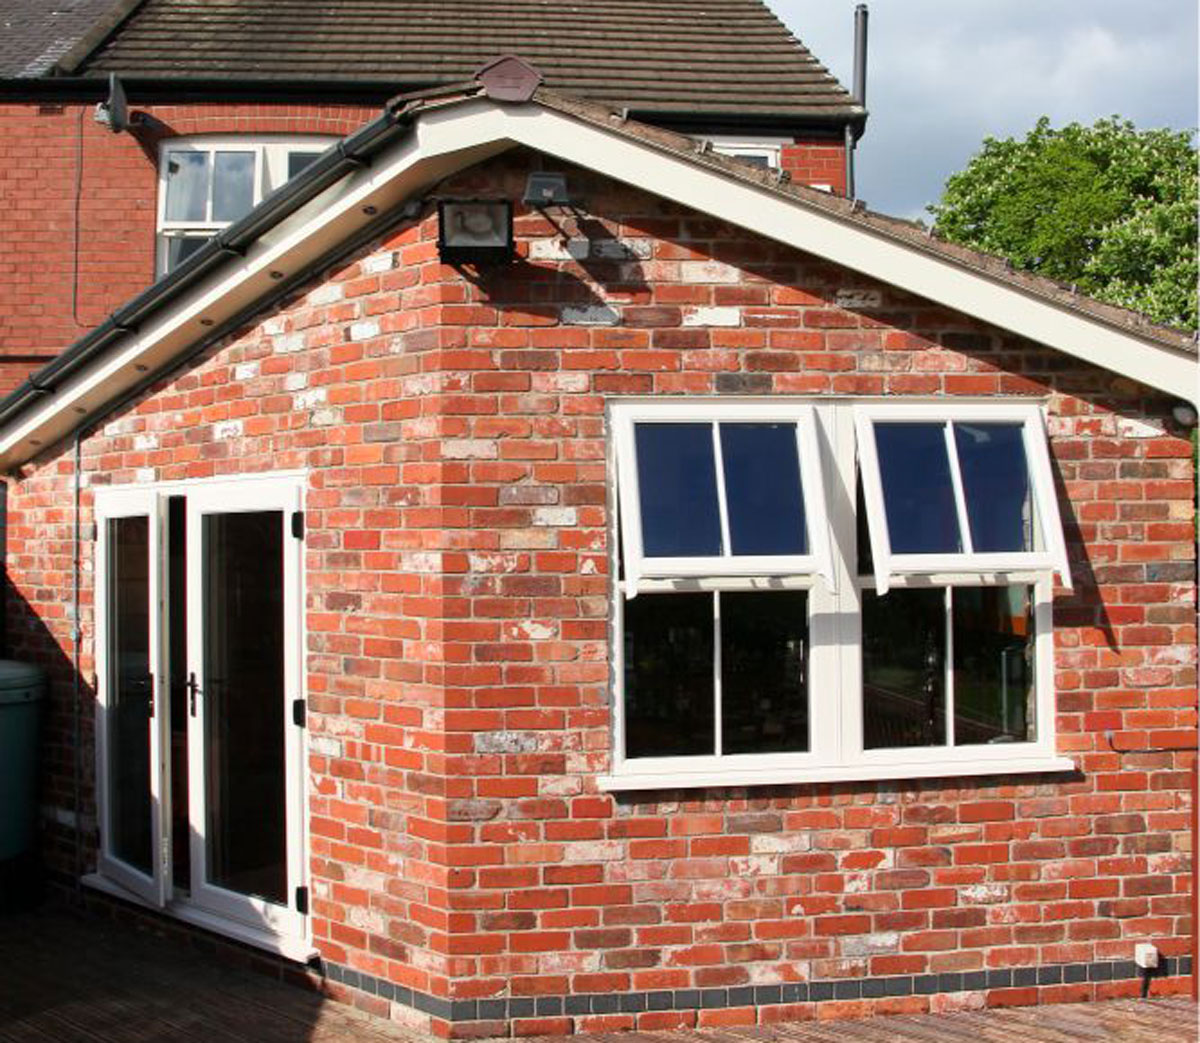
(1051, 557)
(271, 154)
(639, 566)
(742, 145)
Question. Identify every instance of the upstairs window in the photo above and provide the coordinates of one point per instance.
(205, 184)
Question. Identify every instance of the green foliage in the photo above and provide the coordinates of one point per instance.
(1109, 208)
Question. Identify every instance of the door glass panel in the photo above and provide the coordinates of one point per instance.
(904, 668)
(669, 675)
(245, 779)
(762, 488)
(918, 495)
(677, 485)
(764, 655)
(996, 486)
(176, 623)
(130, 692)
(233, 185)
(187, 186)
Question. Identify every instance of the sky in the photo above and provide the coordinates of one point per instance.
(943, 74)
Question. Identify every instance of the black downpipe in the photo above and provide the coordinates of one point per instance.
(859, 95)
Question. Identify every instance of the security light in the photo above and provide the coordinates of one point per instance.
(475, 231)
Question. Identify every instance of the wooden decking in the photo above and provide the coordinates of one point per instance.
(71, 978)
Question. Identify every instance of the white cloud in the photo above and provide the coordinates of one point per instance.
(944, 74)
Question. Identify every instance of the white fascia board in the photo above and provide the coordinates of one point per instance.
(448, 139)
(847, 243)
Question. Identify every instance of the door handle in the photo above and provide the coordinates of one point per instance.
(192, 688)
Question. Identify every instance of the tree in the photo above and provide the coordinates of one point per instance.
(1108, 208)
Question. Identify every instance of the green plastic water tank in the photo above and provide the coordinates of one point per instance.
(22, 687)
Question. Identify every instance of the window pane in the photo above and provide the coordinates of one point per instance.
(180, 248)
(762, 488)
(677, 482)
(996, 485)
(764, 659)
(131, 692)
(862, 532)
(297, 161)
(917, 492)
(669, 675)
(245, 759)
(904, 668)
(993, 665)
(233, 185)
(187, 186)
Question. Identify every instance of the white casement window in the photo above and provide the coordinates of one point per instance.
(207, 183)
(758, 637)
(761, 152)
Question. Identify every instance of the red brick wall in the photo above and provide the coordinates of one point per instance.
(63, 176)
(457, 632)
(817, 161)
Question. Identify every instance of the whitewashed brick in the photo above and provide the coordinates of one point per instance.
(364, 330)
(713, 317)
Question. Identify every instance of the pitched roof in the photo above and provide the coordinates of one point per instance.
(353, 192)
(35, 34)
(731, 57)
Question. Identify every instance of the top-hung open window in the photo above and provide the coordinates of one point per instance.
(720, 489)
(964, 489)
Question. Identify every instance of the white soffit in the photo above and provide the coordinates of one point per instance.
(448, 139)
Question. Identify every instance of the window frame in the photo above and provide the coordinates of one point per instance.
(888, 565)
(801, 567)
(835, 669)
(738, 146)
(271, 153)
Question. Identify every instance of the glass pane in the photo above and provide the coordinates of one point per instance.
(762, 488)
(862, 532)
(176, 624)
(677, 482)
(187, 186)
(233, 185)
(764, 667)
(130, 692)
(297, 161)
(180, 248)
(996, 486)
(904, 668)
(918, 495)
(993, 665)
(669, 675)
(243, 673)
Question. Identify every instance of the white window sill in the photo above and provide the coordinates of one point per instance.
(634, 780)
(298, 949)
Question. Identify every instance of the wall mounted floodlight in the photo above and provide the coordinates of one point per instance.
(475, 231)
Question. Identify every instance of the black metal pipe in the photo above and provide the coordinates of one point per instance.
(860, 54)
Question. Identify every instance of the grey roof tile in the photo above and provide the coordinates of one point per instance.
(35, 34)
(712, 56)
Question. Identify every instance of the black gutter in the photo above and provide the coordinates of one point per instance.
(348, 155)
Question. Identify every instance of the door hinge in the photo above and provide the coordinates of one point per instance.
(299, 712)
(298, 524)
(302, 900)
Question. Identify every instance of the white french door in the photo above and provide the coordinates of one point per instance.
(201, 592)
(132, 716)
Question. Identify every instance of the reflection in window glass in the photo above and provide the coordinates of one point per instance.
(233, 185)
(904, 668)
(764, 656)
(993, 665)
(918, 494)
(180, 248)
(187, 186)
(996, 485)
(677, 485)
(762, 488)
(668, 686)
(298, 161)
